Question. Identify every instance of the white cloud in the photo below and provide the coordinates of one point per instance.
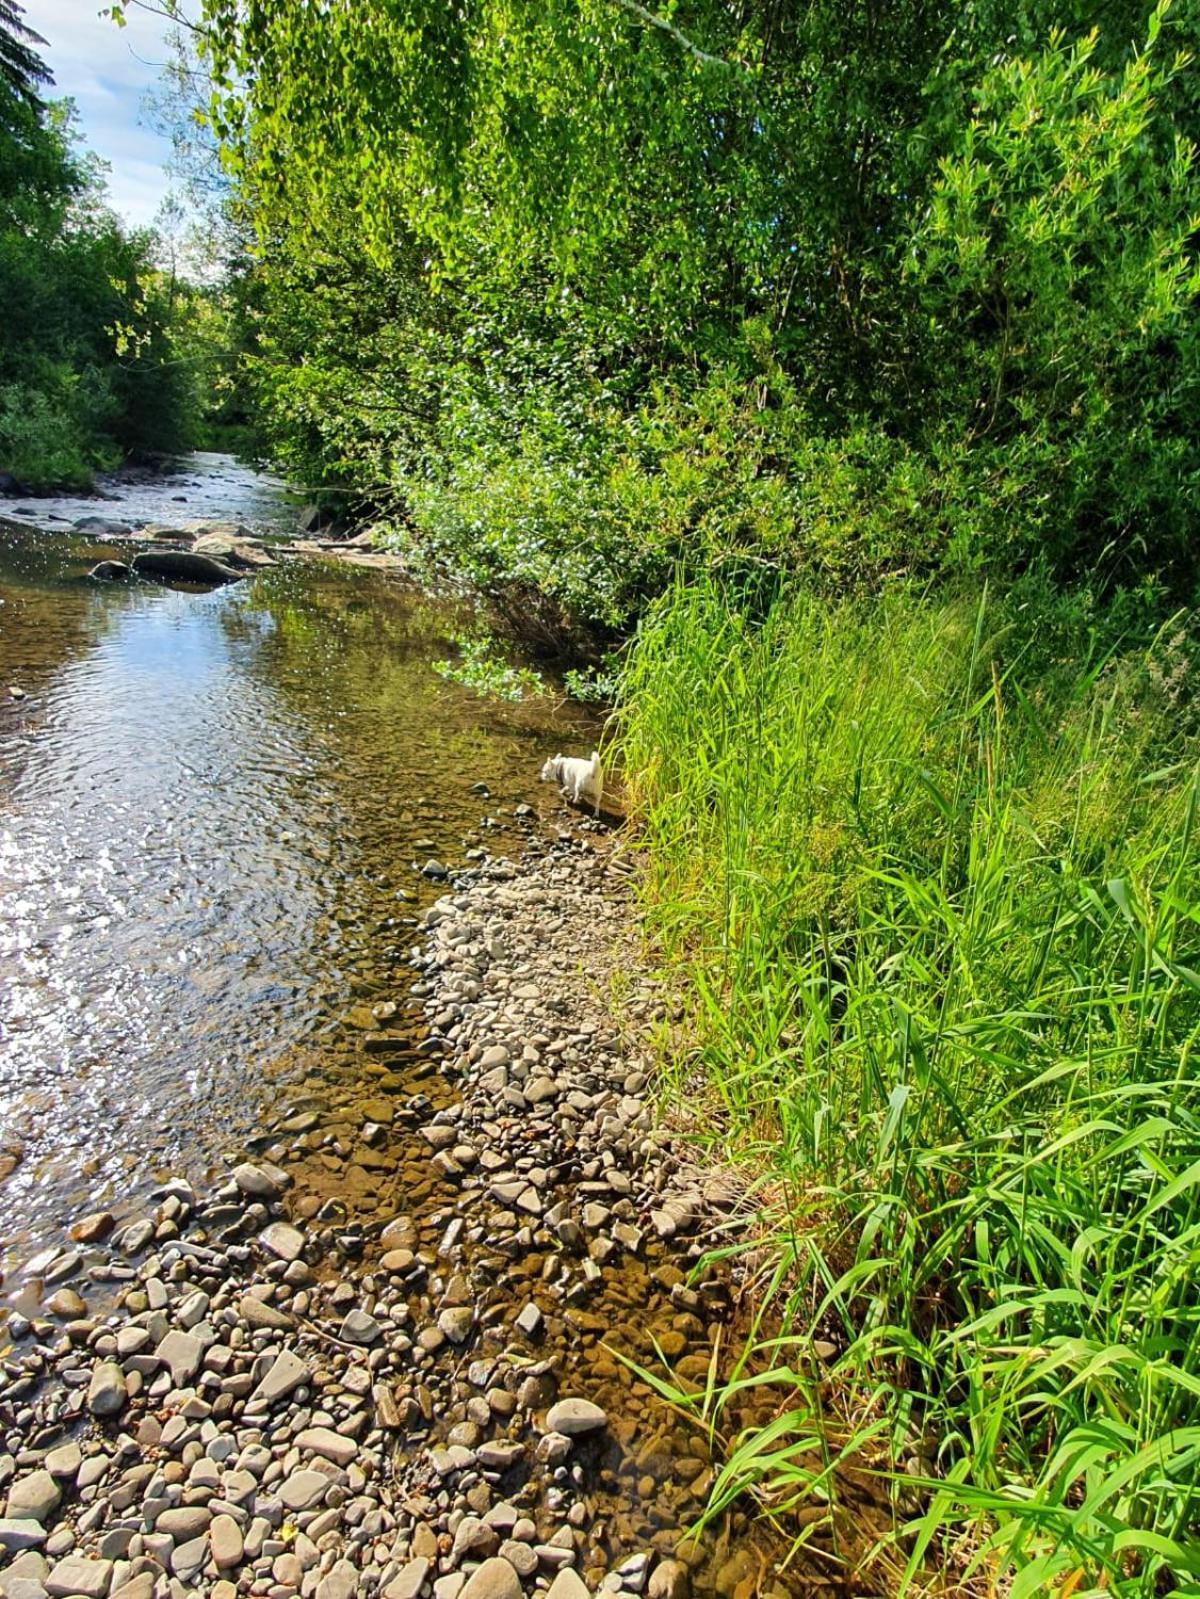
(108, 71)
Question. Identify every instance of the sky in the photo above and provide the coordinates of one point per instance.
(107, 71)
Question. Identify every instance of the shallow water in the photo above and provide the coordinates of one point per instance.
(210, 809)
(202, 486)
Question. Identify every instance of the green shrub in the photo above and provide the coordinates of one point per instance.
(43, 441)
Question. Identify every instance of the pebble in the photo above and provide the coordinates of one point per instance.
(79, 1576)
(107, 1392)
(283, 1241)
(336, 1409)
(359, 1327)
(287, 1372)
(670, 1579)
(328, 1444)
(256, 1181)
(494, 1579)
(33, 1498)
(568, 1585)
(18, 1535)
(575, 1417)
(181, 1353)
(410, 1581)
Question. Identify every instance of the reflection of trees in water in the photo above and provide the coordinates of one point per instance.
(397, 749)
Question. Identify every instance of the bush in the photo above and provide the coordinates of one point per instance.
(43, 441)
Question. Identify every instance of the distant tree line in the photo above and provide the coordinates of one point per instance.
(103, 350)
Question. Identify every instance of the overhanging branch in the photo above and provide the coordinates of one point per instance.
(653, 20)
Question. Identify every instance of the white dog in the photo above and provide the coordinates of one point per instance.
(581, 782)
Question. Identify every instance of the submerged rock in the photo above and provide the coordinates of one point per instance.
(111, 572)
(183, 566)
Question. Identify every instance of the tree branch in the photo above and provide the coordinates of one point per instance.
(652, 20)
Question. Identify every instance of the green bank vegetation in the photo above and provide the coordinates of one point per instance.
(106, 352)
(845, 358)
(931, 875)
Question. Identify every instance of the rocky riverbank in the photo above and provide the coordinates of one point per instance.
(288, 1393)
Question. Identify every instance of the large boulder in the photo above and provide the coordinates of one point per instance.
(239, 554)
(183, 566)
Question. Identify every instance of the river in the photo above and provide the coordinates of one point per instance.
(211, 804)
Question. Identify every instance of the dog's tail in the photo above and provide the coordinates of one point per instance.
(595, 761)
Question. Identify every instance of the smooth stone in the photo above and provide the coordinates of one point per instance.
(91, 1229)
(494, 1579)
(66, 1304)
(225, 1542)
(139, 1587)
(185, 1522)
(410, 1581)
(18, 1535)
(18, 1587)
(303, 1489)
(575, 1417)
(288, 1372)
(65, 1460)
(568, 1585)
(359, 1327)
(182, 1353)
(187, 1558)
(281, 1240)
(78, 1575)
(329, 1444)
(670, 1579)
(259, 1315)
(474, 1538)
(400, 1233)
(255, 1181)
(339, 1582)
(107, 1392)
(456, 1323)
(33, 1498)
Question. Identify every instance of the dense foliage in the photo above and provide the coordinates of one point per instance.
(932, 875)
(763, 304)
(579, 289)
(96, 337)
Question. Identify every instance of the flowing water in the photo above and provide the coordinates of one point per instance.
(214, 808)
(210, 807)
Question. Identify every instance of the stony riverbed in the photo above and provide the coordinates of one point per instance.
(251, 1391)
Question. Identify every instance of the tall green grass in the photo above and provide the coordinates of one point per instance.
(931, 871)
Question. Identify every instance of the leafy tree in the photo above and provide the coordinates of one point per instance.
(20, 65)
(88, 365)
(841, 288)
